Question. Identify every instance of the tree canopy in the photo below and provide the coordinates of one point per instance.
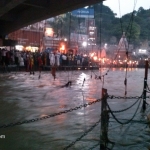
(136, 25)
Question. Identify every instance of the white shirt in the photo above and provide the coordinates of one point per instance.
(52, 59)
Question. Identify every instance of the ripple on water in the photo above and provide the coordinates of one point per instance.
(27, 97)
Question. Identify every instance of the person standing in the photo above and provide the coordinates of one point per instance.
(58, 59)
(16, 57)
(21, 62)
(4, 57)
(52, 64)
(52, 58)
(40, 65)
(31, 64)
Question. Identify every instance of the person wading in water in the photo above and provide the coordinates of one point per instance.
(40, 65)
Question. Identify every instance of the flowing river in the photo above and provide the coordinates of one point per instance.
(25, 97)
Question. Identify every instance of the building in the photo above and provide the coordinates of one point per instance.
(36, 37)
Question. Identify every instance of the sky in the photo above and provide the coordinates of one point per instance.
(126, 6)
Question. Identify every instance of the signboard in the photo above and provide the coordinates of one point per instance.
(84, 13)
(78, 37)
(92, 32)
(142, 51)
(81, 30)
(49, 32)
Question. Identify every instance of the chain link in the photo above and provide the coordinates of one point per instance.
(85, 133)
(49, 116)
(123, 97)
(128, 121)
(118, 111)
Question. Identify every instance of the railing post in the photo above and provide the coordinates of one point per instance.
(104, 121)
(145, 86)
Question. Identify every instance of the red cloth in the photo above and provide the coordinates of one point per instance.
(53, 71)
(40, 62)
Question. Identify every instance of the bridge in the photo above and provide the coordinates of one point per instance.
(15, 14)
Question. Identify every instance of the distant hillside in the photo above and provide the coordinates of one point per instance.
(136, 25)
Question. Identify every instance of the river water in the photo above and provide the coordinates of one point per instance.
(25, 97)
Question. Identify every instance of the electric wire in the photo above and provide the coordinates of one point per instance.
(120, 17)
(132, 15)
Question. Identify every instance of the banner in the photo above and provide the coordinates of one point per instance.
(83, 13)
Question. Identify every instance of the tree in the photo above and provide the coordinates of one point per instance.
(135, 24)
(64, 24)
(104, 17)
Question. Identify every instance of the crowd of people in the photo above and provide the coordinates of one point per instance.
(31, 61)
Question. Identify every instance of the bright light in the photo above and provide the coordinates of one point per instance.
(65, 39)
(62, 47)
(142, 50)
(32, 49)
(19, 47)
(49, 32)
(103, 60)
(105, 46)
(86, 7)
(28, 48)
(84, 44)
(95, 57)
(92, 54)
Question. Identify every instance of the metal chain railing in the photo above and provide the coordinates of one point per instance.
(49, 116)
(123, 97)
(128, 121)
(148, 87)
(144, 122)
(118, 111)
(85, 133)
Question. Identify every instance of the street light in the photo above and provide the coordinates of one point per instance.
(84, 44)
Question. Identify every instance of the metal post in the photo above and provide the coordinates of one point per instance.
(145, 86)
(69, 29)
(104, 121)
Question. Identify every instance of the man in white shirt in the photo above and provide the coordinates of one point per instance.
(58, 58)
(52, 58)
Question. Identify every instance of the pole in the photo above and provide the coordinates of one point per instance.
(145, 86)
(69, 29)
(104, 121)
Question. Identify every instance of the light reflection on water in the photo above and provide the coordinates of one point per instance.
(24, 96)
